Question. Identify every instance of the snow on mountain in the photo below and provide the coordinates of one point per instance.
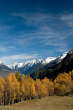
(60, 58)
(31, 62)
(14, 65)
(34, 61)
(31, 65)
(63, 55)
(49, 59)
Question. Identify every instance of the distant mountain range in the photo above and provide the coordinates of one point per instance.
(40, 68)
(28, 67)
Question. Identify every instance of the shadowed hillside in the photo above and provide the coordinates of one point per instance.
(52, 71)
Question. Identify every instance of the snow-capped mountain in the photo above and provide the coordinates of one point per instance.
(63, 63)
(14, 65)
(63, 55)
(60, 58)
(36, 61)
(31, 62)
(19, 65)
(35, 64)
(49, 59)
(31, 66)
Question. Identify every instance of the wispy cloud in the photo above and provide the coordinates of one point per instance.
(44, 36)
(18, 58)
(35, 19)
(68, 19)
(51, 30)
(5, 48)
(5, 27)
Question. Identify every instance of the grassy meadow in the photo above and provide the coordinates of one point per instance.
(46, 103)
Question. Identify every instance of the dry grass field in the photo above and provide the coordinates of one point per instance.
(47, 103)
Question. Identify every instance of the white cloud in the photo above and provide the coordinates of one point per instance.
(43, 36)
(5, 48)
(51, 30)
(68, 19)
(35, 19)
(17, 58)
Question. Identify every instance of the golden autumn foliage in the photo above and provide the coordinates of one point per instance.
(2, 82)
(49, 86)
(40, 88)
(71, 74)
(44, 87)
(63, 84)
(16, 88)
(27, 86)
(12, 88)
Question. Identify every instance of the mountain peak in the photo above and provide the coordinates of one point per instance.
(71, 51)
(49, 59)
(34, 65)
(63, 55)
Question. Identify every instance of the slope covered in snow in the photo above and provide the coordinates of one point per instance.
(49, 59)
(31, 62)
(63, 55)
(31, 66)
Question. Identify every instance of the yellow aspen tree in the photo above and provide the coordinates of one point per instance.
(63, 84)
(2, 82)
(49, 86)
(33, 90)
(71, 74)
(38, 87)
(12, 87)
(30, 87)
(41, 89)
(22, 88)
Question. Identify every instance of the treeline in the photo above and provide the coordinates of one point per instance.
(15, 88)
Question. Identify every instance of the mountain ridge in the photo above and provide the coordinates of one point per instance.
(65, 65)
(32, 66)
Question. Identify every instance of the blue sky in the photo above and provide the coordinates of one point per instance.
(34, 29)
